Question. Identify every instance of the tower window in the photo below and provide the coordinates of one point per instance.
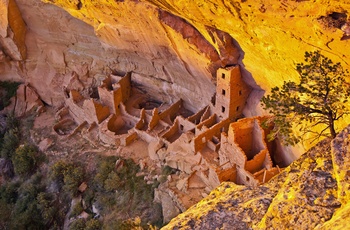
(237, 108)
(240, 92)
(223, 92)
(222, 109)
(223, 76)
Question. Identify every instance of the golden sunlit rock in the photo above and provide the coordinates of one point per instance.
(309, 194)
(70, 53)
(268, 38)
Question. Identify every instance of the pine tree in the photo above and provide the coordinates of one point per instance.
(315, 103)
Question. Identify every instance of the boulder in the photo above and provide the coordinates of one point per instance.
(45, 144)
(12, 32)
(26, 100)
(169, 208)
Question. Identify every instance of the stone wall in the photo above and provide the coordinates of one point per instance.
(231, 93)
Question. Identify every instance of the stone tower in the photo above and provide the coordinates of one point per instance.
(231, 93)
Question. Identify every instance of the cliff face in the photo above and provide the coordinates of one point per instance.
(269, 37)
(310, 193)
(175, 47)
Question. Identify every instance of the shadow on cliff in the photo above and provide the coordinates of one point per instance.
(221, 49)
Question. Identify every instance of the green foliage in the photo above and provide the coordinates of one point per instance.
(10, 89)
(81, 224)
(25, 214)
(93, 224)
(318, 100)
(47, 207)
(77, 210)
(26, 159)
(67, 175)
(113, 182)
(26, 205)
(78, 224)
(119, 190)
(10, 143)
(134, 223)
(9, 193)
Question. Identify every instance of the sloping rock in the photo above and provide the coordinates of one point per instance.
(26, 100)
(311, 193)
(341, 162)
(12, 32)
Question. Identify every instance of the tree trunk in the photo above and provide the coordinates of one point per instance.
(331, 126)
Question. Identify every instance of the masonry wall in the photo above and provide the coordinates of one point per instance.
(246, 178)
(154, 120)
(229, 174)
(125, 87)
(248, 136)
(115, 123)
(75, 111)
(101, 111)
(76, 96)
(234, 153)
(109, 99)
(201, 140)
(257, 163)
(169, 114)
(172, 131)
(196, 118)
(129, 138)
(207, 123)
(231, 93)
(106, 135)
(265, 175)
(142, 123)
(185, 125)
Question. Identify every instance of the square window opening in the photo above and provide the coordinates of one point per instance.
(223, 92)
(223, 109)
(223, 76)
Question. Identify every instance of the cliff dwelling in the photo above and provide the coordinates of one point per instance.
(206, 147)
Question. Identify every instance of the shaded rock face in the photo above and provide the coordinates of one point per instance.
(311, 193)
(12, 32)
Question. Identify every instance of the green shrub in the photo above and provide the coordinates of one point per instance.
(93, 224)
(47, 207)
(9, 192)
(26, 159)
(77, 210)
(10, 89)
(26, 214)
(10, 143)
(67, 175)
(78, 224)
(113, 182)
(104, 167)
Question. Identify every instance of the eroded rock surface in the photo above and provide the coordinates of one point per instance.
(310, 193)
(12, 32)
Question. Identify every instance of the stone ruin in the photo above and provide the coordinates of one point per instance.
(207, 147)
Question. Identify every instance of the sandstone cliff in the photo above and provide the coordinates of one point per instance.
(312, 193)
(174, 48)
